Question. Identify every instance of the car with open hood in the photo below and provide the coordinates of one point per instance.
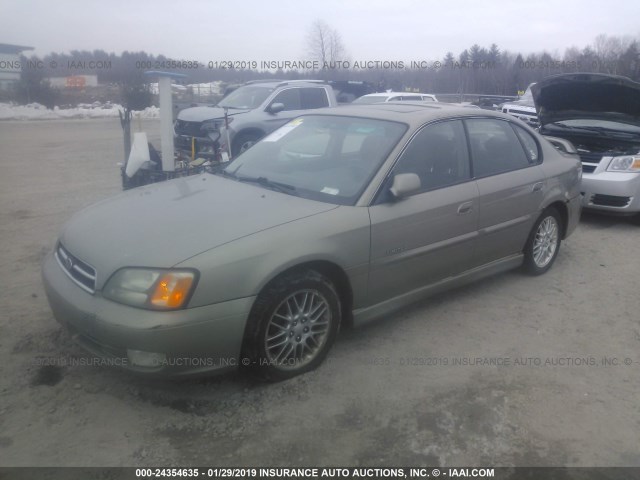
(245, 115)
(340, 216)
(600, 115)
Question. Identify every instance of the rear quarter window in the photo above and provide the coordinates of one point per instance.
(495, 147)
(531, 148)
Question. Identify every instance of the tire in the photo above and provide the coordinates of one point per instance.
(292, 326)
(243, 142)
(543, 243)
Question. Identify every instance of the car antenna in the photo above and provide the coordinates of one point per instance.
(226, 129)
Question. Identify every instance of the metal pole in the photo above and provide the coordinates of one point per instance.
(166, 124)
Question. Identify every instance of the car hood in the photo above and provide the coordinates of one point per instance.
(587, 95)
(164, 224)
(200, 114)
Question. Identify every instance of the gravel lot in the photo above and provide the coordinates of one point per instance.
(385, 395)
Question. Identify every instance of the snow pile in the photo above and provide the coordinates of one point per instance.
(35, 111)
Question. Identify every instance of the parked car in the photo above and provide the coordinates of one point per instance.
(493, 102)
(600, 115)
(524, 108)
(253, 110)
(347, 91)
(394, 97)
(338, 217)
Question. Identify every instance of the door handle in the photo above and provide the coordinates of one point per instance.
(465, 208)
(537, 186)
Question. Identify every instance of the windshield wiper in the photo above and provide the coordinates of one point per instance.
(561, 125)
(220, 170)
(609, 131)
(265, 182)
(589, 128)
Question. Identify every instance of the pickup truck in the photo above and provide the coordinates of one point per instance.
(524, 108)
(246, 115)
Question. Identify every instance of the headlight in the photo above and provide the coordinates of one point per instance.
(150, 288)
(624, 164)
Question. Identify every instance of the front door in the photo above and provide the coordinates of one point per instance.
(430, 235)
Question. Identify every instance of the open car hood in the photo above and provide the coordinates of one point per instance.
(587, 95)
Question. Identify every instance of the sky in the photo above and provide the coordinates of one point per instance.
(372, 30)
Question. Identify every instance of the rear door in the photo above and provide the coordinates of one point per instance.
(505, 160)
(429, 235)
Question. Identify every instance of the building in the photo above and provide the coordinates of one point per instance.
(10, 65)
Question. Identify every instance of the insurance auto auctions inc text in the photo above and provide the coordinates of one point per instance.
(375, 472)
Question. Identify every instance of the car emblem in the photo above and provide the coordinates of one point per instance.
(68, 263)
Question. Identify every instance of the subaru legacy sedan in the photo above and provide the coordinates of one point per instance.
(336, 218)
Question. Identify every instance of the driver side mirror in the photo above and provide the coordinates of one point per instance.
(404, 184)
(275, 107)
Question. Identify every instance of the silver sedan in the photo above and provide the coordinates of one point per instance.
(338, 217)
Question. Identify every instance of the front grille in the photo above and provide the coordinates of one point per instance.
(82, 274)
(590, 160)
(590, 157)
(194, 129)
(189, 128)
(182, 143)
(610, 200)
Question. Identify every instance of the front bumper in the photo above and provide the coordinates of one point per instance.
(614, 192)
(194, 340)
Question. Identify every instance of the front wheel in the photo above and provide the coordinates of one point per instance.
(243, 142)
(543, 244)
(292, 325)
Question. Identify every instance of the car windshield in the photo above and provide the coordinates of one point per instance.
(367, 99)
(327, 158)
(599, 124)
(249, 96)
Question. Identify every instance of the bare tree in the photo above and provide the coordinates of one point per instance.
(325, 43)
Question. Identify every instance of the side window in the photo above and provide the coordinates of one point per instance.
(394, 99)
(438, 155)
(427, 99)
(290, 98)
(411, 97)
(313, 98)
(530, 145)
(495, 148)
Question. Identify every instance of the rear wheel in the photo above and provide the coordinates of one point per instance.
(543, 244)
(292, 326)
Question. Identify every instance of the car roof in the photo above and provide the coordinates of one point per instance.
(412, 113)
(282, 83)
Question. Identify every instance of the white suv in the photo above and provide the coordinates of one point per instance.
(395, 97)
(524, 108)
